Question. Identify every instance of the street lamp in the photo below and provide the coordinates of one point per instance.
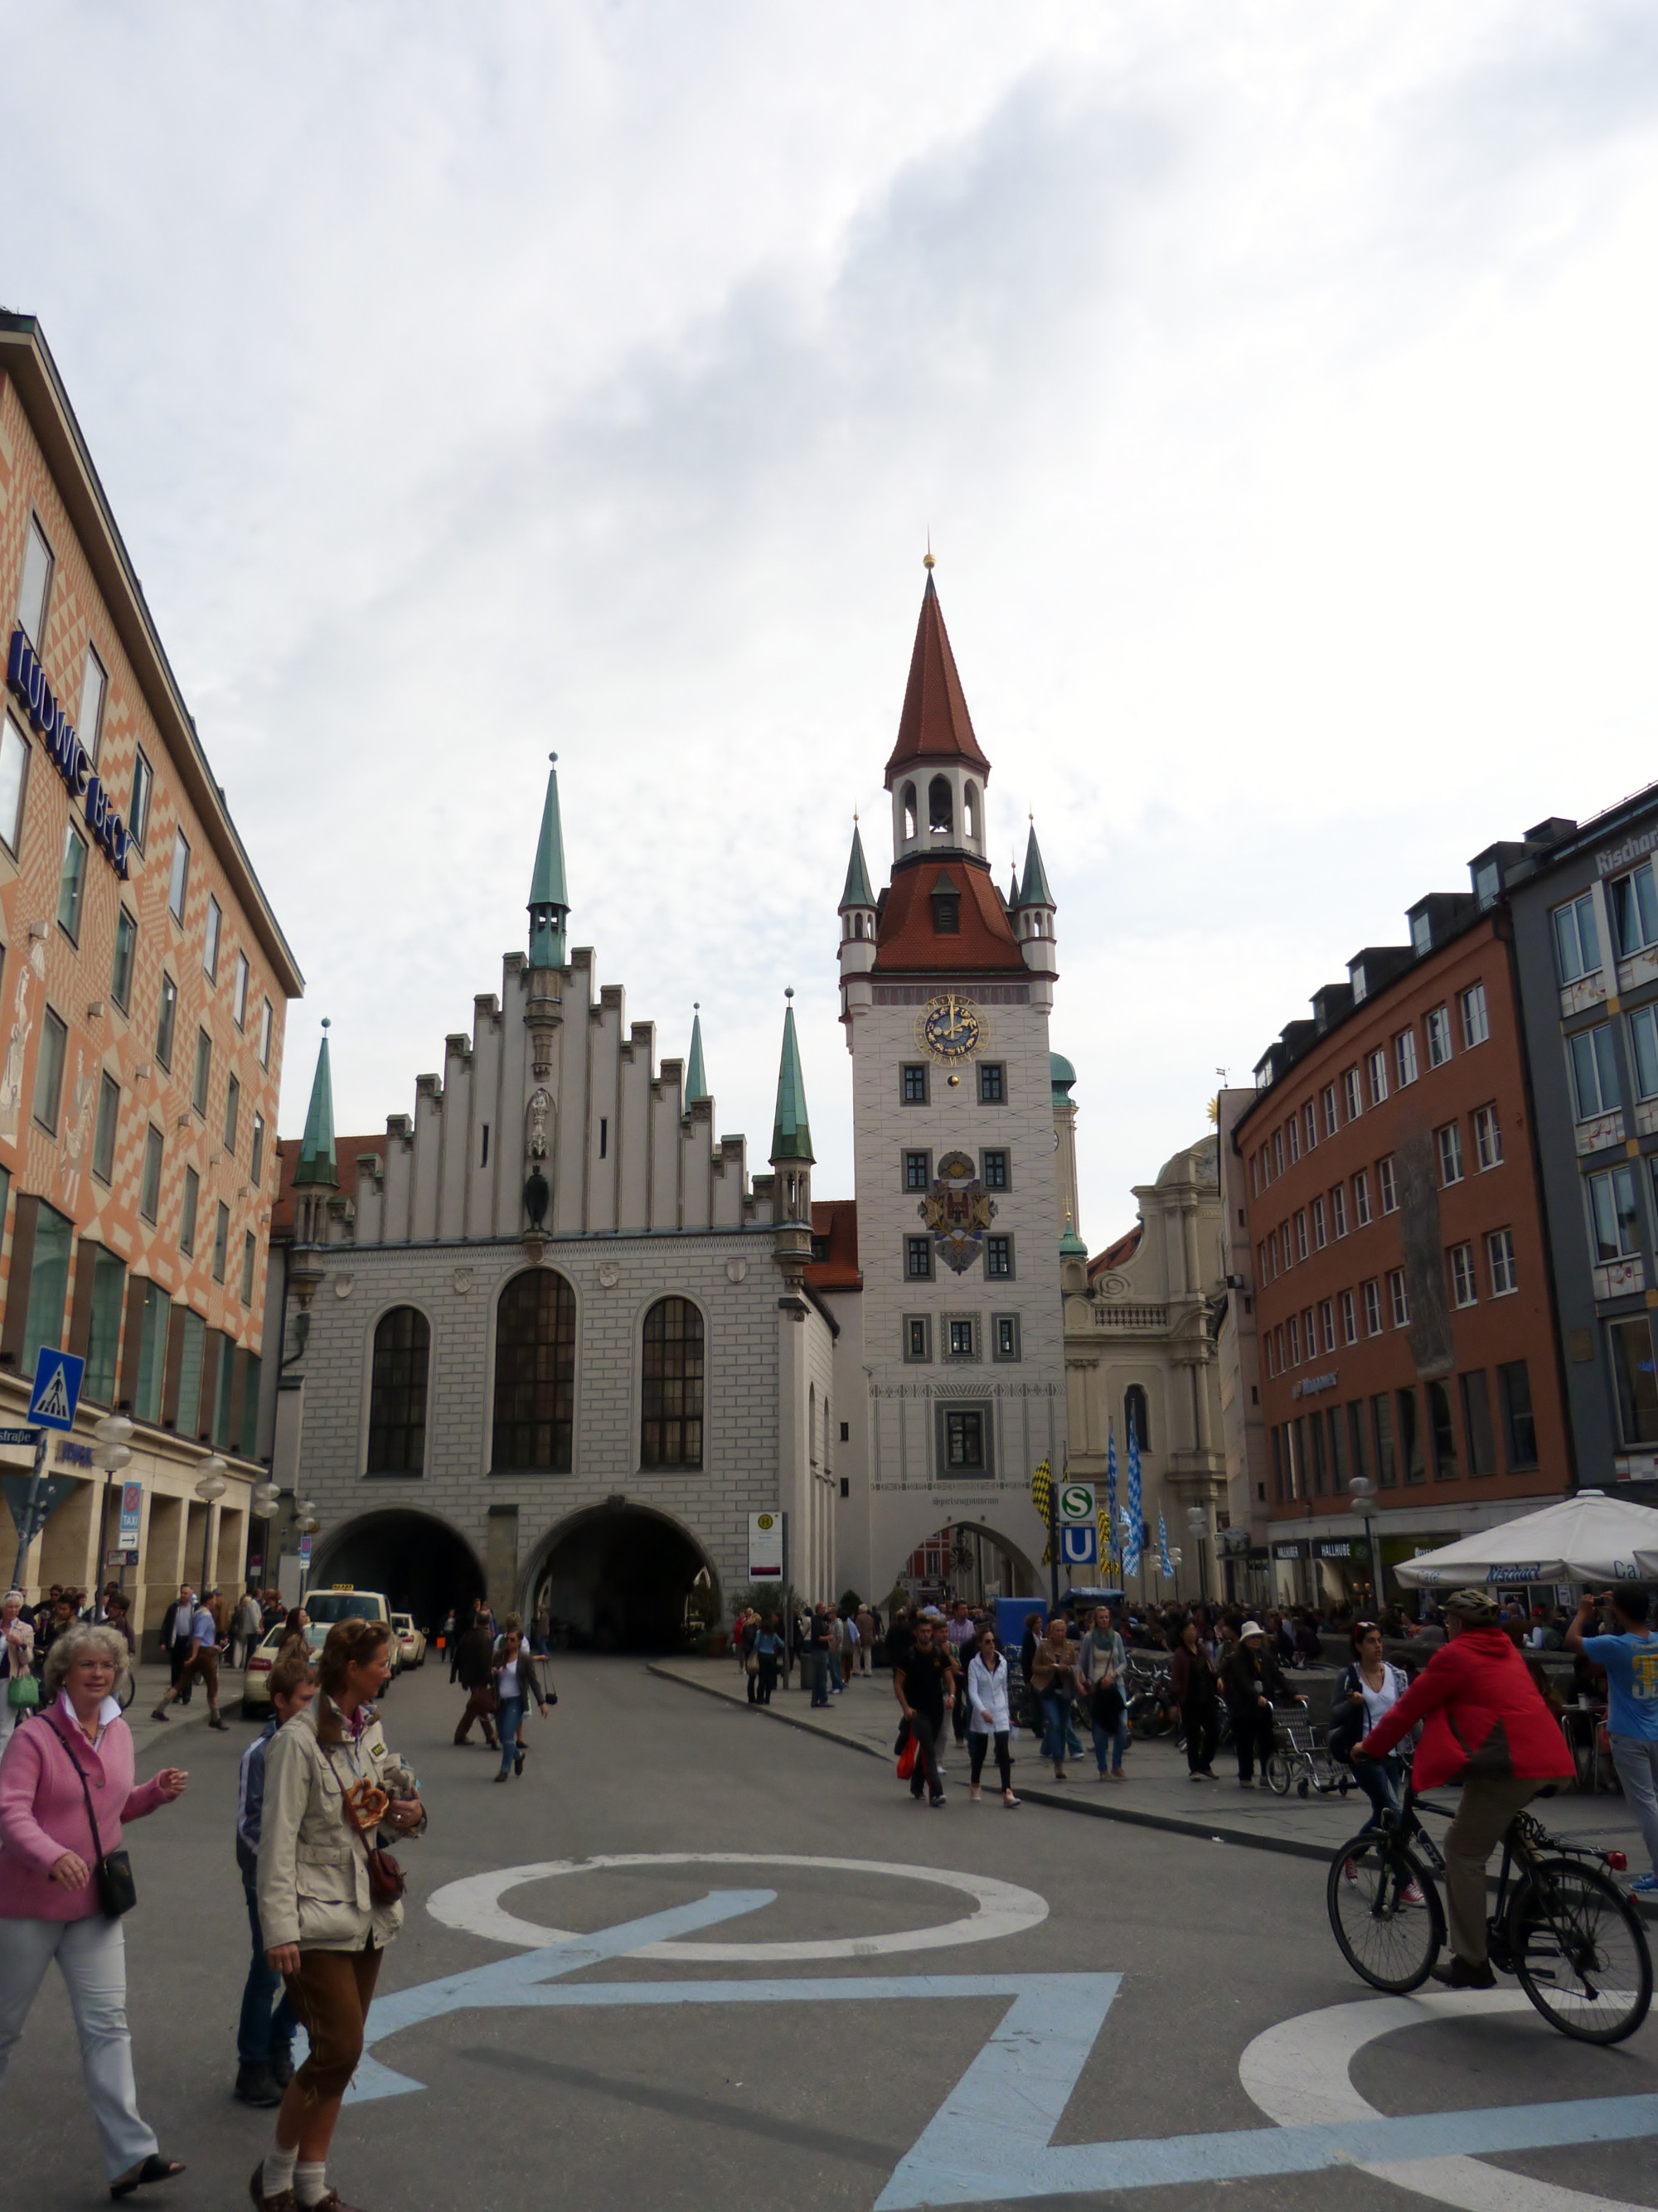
(110, 1452)
(1361, 1490)
(306, 1521)
(210, 1485)
(1197, 1520)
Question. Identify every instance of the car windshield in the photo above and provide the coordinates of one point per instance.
(326, 1607)
(403, 1623)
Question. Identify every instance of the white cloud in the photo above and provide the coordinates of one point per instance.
(470, 382)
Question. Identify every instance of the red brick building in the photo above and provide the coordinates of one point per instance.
(1400, 1282)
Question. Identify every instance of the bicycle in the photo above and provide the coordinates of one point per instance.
(1560, 1925)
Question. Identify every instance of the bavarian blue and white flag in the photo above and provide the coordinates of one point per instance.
(1110, 1474)
(1131, 1565)
(1165, 1564)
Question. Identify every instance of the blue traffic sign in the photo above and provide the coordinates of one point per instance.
(57, 1389)
(1079, 1545)
(29, 1437)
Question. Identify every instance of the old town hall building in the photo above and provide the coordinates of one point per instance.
(550, 1335)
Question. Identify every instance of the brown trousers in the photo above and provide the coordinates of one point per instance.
(1489, 1803)
(331, 1996)
(478, 1708)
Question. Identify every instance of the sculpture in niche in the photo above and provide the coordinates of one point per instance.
(538, 1194)
(538, 1122)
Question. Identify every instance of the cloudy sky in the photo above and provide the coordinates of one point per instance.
(1276, 380)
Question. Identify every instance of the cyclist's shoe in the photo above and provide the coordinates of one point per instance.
(1413, 1893)
(1458, 1974)
(1645, 1885)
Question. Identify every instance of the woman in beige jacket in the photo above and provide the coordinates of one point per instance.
(331, 1789)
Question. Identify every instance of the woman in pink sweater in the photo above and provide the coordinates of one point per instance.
(77, 1748)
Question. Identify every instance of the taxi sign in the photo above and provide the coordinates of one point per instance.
(341, 1586)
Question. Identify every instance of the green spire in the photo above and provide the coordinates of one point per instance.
(792, 1134)
(696, 1083)
(1071, 1246)
(549, 903)
(1034, 889)
(316, 1151)
(857, 892)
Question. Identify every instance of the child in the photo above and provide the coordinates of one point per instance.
(263, 2038)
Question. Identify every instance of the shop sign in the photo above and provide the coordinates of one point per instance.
(1310, 1386)
(27, 681)
(1343, 1550)
(1286, 1551)
(1532, 1572)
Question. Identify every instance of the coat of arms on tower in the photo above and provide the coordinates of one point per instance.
(957, 1210)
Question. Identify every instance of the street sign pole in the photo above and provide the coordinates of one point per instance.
(783, 1620)
(27, 1531)
(1053, 1540)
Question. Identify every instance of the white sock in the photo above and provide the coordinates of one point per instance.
(278, 2170)
(311, 2183)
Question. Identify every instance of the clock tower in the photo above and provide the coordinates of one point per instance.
(947, 986)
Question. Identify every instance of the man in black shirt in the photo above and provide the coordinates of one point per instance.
(925, 1684)
(818, 1648)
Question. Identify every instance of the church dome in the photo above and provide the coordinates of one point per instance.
(1062, 1075)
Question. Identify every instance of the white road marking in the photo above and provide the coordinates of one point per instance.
(1298, 2073)
(1003, 1908)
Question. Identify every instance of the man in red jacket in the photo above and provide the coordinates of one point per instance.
(1485, 1725)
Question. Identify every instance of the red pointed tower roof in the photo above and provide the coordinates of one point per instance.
(935, 724)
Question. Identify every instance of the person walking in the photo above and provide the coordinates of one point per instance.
(247, 1627)
(1369, 1689)
(202, 1665)
(963, 1640)
(54, 1842)
(332, 1791)
(1254, 1686)
(1053, 1678)
(849, 1644)
(866, 1629)
(264, 2037)
(768, 1654)
(1191, 1674)
(176, 1637)
(458, 1627)
(476, 1661)
(517, 1680)
(1630, 1655)
(1101, 1671)
(745, 1637)
(923, 1686)
(19, 1693)
(988, 1720)
(818, 1653)
(446, 1639)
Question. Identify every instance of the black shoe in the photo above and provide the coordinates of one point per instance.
(500, 1777)
(257, 2085)
(160, 1713)
(1459, 1974)
(218, 1721)
(518, 1763)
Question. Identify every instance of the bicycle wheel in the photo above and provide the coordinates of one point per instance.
(1579, 1951)
(1277, 1773)
(1387, 1942)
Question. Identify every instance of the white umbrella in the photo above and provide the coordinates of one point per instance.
(1587, 1538)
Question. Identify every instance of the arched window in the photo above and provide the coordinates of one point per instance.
(938, 803)
(397, 1393)
(908, 806)
(671, 1410)
(534, 1372)
(1136, 1415)
(970, 813)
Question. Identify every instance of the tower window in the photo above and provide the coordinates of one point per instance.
(993, 1083)
(918, 1170)
(993, 1170)
(947, 916)
(919, 1258)
(1136, 1415)
(970, 813)
(918, 1343)
(908, 803)
(671, 1425)
(914, 1083)
(940, 808)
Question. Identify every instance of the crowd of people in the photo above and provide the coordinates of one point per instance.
(505, 1671)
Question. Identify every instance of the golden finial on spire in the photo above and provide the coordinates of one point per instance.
(927, 557)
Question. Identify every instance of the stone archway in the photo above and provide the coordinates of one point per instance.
(418, 1563)
(616, 1578)
(966, 1559)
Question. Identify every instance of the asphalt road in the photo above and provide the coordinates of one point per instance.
(836, 2088)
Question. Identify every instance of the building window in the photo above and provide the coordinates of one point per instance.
(1327, 1324)
(152, 1354)
(963, 1344)
(917, 1259)
(964, 1441)
(915, 1083)
(1577, 938)
(1309, 1435)
(1355, 1433)
(1441, 1432)
(265, 1022)
(1362, 1198)
(1595, 1071)
(397, 1400)
(71, 884)
(221, 1242)
(179, 881)
(1499, 1253)
(1349, 1084)
(1279, 1338)
(1350, 1322)
(1338, 1209)
(210, 940)
(203, 1071)
(1309, 1126)
(250, 1251)
(1514, 1391)
(534, 1372)
(256, 1157)
(137, 812)
(1412, 1465)
(1301, 1233)
(149, 1189)
(164, 1024)
(1438, 1026)
(1285, 1246)
(918, 1170)
(946, 915)
(1405, 1057)
(1476, 1021)
(671, 1421)
(1327, 1100)
(1372, 1307)
(1643, 1050)
(232, 1114)
(1449, 1141)
(1399, 1298)
(126, 947)
(1488, 1138)
(1464, 1291)
(993, 1083)
(1291, 1132)
(94, 685)
(1476, 1422)
(1387, 1185)
(192, 1191)
(1337, 1428)
(1319, 1239)
(104, 1326)
(1004, 1336)
(193, 1337)
(1310, 1338)
(48, 1284)
(1381, 1430)
(1637, 1383)
(49, 1071)
(1277, 1151)
(13, 767)
(993, 1170)
(35, 590)
(917, 1340)
(239, 999)
(1613, 1214)
(998, 1259)
(1377, 1065)
(1634, 911)
(103, 1134)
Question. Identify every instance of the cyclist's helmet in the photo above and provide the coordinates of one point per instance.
(1477, 1607)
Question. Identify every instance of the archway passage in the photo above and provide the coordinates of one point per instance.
(419, 1566)
(964, 1559)
(617, 1579)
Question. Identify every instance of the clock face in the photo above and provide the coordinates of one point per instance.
(951, 1027)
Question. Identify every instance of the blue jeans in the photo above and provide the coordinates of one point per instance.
(260, 2032)
(1379, 1779)
(509, 1720)
(820, 1678)
(1055, 1727)
(1110, 1744)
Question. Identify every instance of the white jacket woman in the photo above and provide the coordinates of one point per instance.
(988, 1719)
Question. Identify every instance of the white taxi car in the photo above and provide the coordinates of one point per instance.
(408, 1643)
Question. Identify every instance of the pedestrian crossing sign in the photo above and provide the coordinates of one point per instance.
(57, 1389)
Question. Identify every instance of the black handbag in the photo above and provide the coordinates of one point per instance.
(118, 1893)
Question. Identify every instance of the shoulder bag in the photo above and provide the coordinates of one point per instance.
(118, 1893)
(365, 1805)
(23, 1691)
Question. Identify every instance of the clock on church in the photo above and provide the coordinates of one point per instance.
(950, 1027)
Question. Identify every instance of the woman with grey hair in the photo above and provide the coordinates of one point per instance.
(16, 1665)
(66, 1786)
